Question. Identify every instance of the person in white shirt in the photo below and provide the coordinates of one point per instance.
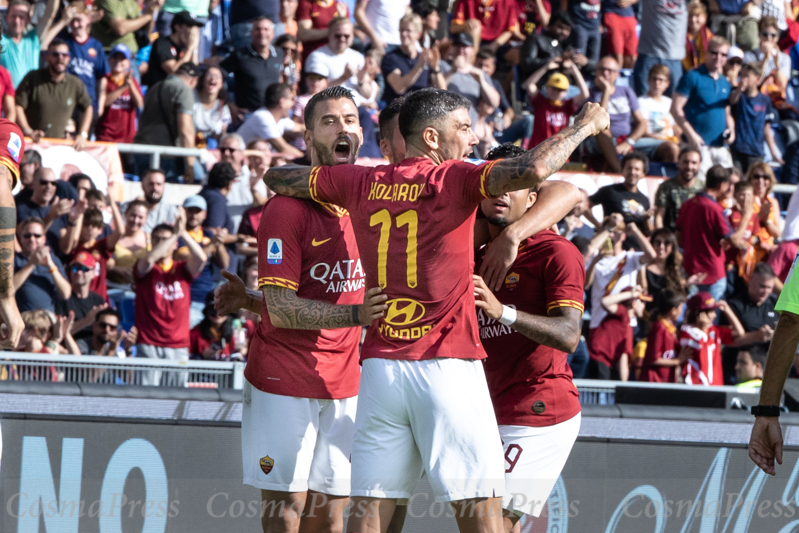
(345, 66)
(272, 121)
(380, 20)
(659, 142)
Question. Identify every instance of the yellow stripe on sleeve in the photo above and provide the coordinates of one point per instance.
(312, 183)
(278, 282)
(566, 303)
(484, 177)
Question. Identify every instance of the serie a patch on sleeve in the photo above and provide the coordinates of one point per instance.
(274, 251)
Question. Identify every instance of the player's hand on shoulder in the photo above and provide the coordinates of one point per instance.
(484, 299)
(373, 307)
(498, 259)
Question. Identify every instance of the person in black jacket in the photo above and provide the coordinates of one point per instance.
(541, 48)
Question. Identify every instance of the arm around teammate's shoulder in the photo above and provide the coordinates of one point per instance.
(290, 180)
(536, 165)
(289, 311)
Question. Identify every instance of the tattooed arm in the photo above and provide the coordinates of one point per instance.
(559, 330)
(290, 180)
(536, 165)
(289, 311)
(9, 314)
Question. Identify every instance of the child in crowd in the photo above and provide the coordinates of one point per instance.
(119, 99)
(662, 135)
(551, 109)
(702, 341)
(612, 341)
(753, 115)
(660, 361)
(42, 335)
(212, 339)
(743, 260)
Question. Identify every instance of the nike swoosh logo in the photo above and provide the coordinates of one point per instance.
(318, 243)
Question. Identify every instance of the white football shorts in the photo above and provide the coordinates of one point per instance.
(534, 459)
(433, 415)
(292, 444)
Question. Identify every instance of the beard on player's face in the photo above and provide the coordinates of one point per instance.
(498, 221)
(343, 150)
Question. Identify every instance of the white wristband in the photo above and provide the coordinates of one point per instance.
(508, 316)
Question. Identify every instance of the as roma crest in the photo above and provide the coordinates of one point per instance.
(266, 464)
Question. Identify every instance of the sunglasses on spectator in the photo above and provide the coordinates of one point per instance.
(769, 35)
(106, 325)
(342, 36)
(47, 183)
(59, 54)
(32, 236)
(226, 149)
(80, 268)
(759, 177)
(661, 243)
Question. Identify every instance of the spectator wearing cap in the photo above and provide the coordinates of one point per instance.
(84, 234)
(702, 341)
(122, 19)
(46, 99)
(22, 42)
(313, 21)
(249, 187)
(489, 24)
(465, 79)
(272, 121)
(87, 58)
(735, 60)
(550, 106)
(119, 101)
(345, 66)
(673, 193)
(703, 228)
(701, 107)
(178, 48)
(379, 19)
(171, 9)
(408, 69)
(664, 25)
(159, 209)
(83, 301)
(108, 339)
(622, 105)
(539, 49)
(38, 274)
(213, 245)
(168, 119)
(255, 67)
(163, 301)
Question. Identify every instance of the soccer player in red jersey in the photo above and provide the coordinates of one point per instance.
(704, 339)
(423, 402)
(527, 338)
(12, 146)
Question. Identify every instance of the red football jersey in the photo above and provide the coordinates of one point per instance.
(704, 365)
(495, 16)
(320, 13)
(553, 119)
(309, 248)
(163, 303)
(612, 338)
(12, 146)
(521, 374)
(529, 21)
(660, 344)
(414, 223)
(101, 255)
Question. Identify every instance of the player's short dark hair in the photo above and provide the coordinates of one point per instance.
(561, 16)
(221, 175)
(689, 148)
(93, 217)
(388, 114)
(505, 151)
(163, 227)
(666, 300)
(331, 93)
(716, 176)
(56, 42)
(108, 312)
(427, 107)
(757, 353)
(636, 156)
(274, 93)
(764, 269)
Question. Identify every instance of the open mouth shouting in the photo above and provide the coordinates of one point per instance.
(342, 150)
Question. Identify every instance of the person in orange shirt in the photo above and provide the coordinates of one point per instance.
(766, 208)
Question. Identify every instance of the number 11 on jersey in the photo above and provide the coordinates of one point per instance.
(408, 218)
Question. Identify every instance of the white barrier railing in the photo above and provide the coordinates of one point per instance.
(16, 366)
(155, 152)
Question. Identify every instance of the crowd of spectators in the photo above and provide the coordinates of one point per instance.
(711, 116)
